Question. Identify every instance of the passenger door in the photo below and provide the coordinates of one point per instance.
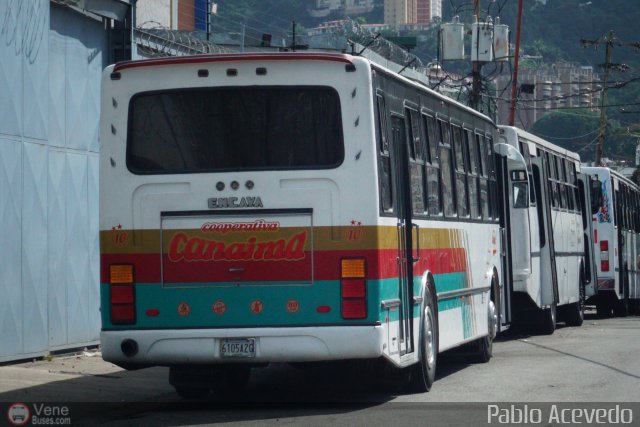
(400, 162)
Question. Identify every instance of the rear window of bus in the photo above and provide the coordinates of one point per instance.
(234, 129)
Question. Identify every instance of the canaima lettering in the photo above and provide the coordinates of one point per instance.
(185, 248)
(235, 202)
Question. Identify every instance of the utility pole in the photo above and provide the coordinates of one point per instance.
(514, 83)
(603, 108)
(476, 66)
(608, 40)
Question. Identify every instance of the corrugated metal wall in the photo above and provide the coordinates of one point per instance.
(51, 62)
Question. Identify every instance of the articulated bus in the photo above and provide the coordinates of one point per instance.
(549, 232)
(615, 210)
(293, 207)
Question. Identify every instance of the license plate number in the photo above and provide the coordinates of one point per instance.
(238, 347)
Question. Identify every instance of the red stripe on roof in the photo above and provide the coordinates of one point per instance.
(232, 57)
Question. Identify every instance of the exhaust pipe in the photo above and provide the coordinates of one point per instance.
(129, 347)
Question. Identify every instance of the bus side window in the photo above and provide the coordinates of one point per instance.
(493, 183)
(562, 179)
(460, 172)
(446, 169)
(576, 192)
(416, 161)
(434, 200)
(527, 158)
(384, 160)
(553, 185)
(484, 180)
(596, 195)
(474, 171)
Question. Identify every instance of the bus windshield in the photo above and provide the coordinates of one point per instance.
(234, 129)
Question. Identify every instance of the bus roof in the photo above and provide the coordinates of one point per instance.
(595, 170)
(288, 56)
(539, 141)
(233, 57)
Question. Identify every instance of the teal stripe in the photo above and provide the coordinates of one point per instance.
(274, 296)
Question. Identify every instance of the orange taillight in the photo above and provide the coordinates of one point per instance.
(122, 294)
(353, 288)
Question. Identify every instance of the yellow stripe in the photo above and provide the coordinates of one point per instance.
(324, 238)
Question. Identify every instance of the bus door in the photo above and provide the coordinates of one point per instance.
(584, 186)
(514, 219)
(548, 273)
(400, 162)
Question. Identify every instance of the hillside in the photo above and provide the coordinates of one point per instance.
(551, 31)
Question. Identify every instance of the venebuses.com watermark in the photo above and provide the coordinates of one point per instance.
(20, 414)
(588, 414)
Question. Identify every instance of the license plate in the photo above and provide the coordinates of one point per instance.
(238, 347)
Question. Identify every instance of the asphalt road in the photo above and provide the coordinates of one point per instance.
(598, 362)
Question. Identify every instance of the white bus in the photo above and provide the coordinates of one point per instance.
(551, 265)
(292, 207)
(615, 210)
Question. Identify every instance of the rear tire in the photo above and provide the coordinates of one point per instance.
(575, 311)
(603, 308)
(621, 306)
(549, 317)
(191, 393)
(484, 346)
(423, 373)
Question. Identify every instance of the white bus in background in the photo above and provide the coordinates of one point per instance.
(615, 210)
(292, 207)
(548, 230)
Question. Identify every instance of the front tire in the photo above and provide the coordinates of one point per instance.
(424, 372)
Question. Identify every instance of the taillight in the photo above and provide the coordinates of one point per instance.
(122, 295)
(353, 288)
(604, 255)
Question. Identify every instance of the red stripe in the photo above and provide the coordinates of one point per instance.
(381, 264)
(198, 59)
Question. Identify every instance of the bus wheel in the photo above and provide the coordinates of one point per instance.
(621, 306)
(484, 346)
(575, 312)
(603, 308)
(237, 377)
(548, 325)
(187, 382)
(191, 392)
(423, 373)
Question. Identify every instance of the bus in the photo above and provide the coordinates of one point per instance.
(293, 207)
(615, 211)
(549, 233)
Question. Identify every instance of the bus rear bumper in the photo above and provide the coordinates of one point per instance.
(201, 346)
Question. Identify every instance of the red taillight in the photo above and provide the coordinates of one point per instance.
(353, 288)
(123, 314)
(604, 255)
(354, 309)
(122, 294)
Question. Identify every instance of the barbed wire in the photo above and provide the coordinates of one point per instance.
(155, 40)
